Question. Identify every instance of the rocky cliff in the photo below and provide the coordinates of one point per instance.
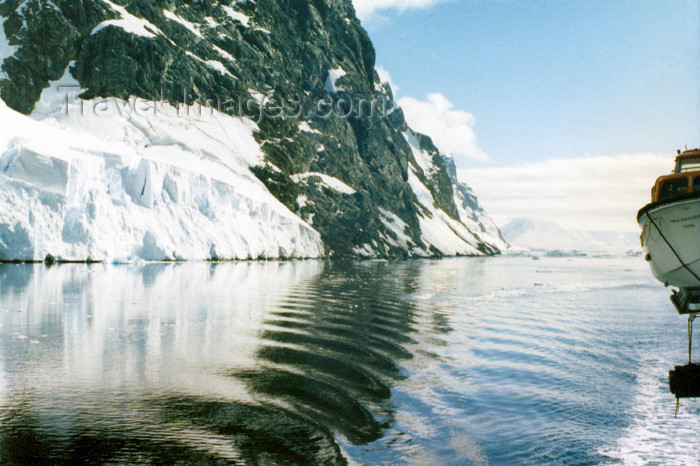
(214, 129)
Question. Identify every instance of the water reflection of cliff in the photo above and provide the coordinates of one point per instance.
(252, 363)
(332, 349)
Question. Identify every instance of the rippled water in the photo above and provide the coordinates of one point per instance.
(461, 361)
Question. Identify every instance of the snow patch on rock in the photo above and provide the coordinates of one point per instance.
(326, 180)
(218, 66)
(183, 22)
(333, 76)
(304, 127)
(237, 16)
(211, 22)
(223, 53)
(129, 23)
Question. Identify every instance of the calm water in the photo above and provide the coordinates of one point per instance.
(462, 361)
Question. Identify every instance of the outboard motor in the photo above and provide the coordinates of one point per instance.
(684, 381)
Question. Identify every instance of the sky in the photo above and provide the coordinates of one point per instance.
(548, 93)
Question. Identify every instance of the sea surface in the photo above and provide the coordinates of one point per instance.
(504, 360)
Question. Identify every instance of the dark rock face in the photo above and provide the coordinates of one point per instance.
(284, 49)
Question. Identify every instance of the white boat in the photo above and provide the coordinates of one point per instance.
(671, 242)
(671, 224)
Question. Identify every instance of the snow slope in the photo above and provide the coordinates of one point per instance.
(476, 219)
(172, 185)
(440, 231)
(541, 235)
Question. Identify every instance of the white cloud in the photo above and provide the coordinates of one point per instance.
(452, 130)
(587, 193)
(365, 8)
(385, 77)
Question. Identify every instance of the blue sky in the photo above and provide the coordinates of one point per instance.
(549, 79)
(553, 78)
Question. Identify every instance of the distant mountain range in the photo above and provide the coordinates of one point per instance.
(543, 236)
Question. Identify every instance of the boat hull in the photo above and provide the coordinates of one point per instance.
(675, 225)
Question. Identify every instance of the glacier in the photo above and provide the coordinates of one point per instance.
(123, 186)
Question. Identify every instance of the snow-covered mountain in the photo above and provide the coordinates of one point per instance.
(115, 142)
(543, 236)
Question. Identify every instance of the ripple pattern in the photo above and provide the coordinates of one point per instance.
(465, 361)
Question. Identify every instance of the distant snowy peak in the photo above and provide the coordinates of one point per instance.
(521, 228)
(541, 235)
